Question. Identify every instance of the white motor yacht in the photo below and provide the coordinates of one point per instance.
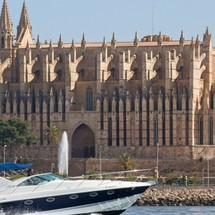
(52, 194)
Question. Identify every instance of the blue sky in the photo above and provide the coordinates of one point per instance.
(99, 18)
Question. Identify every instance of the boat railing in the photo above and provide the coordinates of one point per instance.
(127, 175)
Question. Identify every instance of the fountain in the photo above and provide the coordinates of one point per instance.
(63, 156)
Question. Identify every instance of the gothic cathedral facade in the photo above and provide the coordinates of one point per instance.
(122, 96)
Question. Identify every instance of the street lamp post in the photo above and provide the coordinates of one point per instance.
(208, 172)
(157, 173)
(4, 157)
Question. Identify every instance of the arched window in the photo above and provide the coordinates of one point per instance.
(86, 152)
(63, 105)
(109, 105)
(56, 102)
(33, 106)
(89, 97)
(187, 98)
(41, 98)
(179, 103)
(117, 130)
(140, 99)
(11, 102)
(117, 100)
(102, 114)
(211, 131)
(171, 130)
(155, 132)
(2, 42)
(18, 101)
(201, 131)
(162, 90)
(163, 98)
(211, 100)
(109, 132)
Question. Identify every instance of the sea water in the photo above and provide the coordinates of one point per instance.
(170, 210)
(159, 210)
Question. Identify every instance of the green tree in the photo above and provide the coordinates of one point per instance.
(126, 161)
(52, 135)
(15, 132)
(24, 134)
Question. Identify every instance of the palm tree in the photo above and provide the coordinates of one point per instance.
(126, 162)
(52, 135)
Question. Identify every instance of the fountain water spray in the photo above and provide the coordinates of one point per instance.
(63, 155)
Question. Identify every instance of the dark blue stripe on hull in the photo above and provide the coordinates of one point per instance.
(65, 201)
(108, 213)
(111, 212)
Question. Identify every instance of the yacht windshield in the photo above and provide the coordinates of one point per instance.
(39, 179)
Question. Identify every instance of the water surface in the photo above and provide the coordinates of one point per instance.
(170, 210)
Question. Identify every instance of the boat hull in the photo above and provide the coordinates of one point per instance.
(113, 201)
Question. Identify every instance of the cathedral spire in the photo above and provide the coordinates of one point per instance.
(113, 41)
(6, 24)
(192, 43)
(83, 41)
(136, 40)
(38, 44)
(207, 37)
(6, 27)
(73, 44)
(160, 39)
(24, 29)
(197, 40)
(104, 44)
(50, 44)
(182, 38)
(60, 42)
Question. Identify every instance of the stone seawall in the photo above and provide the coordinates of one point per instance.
(178, 196)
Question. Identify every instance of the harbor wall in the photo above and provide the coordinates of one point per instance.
(178, 196)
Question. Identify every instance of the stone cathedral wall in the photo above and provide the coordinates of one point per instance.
(119, 97)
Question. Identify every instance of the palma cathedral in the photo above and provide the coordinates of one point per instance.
(111, 96)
